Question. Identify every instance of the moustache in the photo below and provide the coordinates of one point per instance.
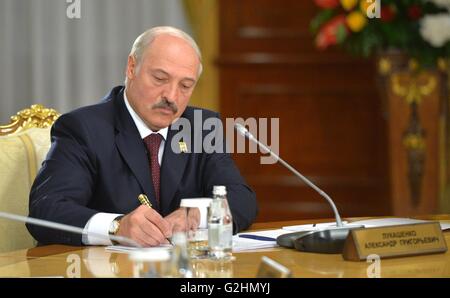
(165, 104)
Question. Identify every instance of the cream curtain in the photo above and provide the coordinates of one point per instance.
(64, 63)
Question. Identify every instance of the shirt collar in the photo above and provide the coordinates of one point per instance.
(143, 129)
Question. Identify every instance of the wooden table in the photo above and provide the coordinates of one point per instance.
(70, 261)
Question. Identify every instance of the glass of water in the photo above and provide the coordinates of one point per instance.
(197, 229)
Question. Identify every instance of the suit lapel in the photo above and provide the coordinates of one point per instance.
(172, 169)
(132, 148)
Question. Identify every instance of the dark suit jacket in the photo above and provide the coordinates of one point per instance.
(98, 163)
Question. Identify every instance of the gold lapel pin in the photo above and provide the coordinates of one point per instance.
(183, 147)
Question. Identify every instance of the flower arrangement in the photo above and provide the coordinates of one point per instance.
(420, 28)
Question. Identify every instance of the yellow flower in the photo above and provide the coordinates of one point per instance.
(348, 4)
(364, 5)
(356, 21)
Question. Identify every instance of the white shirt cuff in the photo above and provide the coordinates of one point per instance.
(96, 231)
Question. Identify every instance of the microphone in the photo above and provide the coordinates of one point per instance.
(64, 227)
(326, 240)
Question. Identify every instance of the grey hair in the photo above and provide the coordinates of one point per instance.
(144, 40)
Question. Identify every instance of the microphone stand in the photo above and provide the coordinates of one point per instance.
(64, 227)
(327, 240)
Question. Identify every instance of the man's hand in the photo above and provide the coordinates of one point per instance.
(145, 226)
(183, 219)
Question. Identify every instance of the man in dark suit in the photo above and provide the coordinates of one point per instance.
(104, 156)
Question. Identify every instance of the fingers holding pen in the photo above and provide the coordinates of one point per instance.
(145, 226)
(159, 225)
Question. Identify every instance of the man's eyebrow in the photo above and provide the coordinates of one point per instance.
(159, 70)
(189, 79)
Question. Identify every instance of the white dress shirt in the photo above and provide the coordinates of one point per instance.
(99, 223)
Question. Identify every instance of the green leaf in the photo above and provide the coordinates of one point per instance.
(320, 19)
(341, 34)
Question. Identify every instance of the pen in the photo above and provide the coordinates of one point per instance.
(256, 237)
(145, 201)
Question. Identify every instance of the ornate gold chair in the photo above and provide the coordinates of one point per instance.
(24, 143)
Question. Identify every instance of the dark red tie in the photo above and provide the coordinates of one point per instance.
(153, 142)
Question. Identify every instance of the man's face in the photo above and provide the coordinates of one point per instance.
(159, 87)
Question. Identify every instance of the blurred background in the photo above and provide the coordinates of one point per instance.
(360, 88)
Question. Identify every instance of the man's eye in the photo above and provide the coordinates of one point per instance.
(159, 79)
(186, 87)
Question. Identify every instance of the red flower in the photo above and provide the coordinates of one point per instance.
(328, 34)
(414, 12)
(327, 3)
(388, 13)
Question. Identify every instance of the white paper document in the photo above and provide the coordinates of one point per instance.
(130, 249)
(311, 227)
(383, 222)
(445, 225)
(239, 243)
(256, 240)
(368, 223)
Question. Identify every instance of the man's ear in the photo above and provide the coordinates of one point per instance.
(131, 67)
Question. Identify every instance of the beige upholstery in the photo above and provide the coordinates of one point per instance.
(22, 151)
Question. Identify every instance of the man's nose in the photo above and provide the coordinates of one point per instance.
(171, 92)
